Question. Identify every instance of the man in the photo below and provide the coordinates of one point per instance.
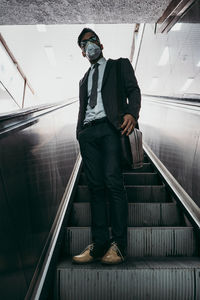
(98, 133)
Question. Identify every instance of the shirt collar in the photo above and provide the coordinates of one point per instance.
(101, 61)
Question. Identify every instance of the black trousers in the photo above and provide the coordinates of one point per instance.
(100, 151)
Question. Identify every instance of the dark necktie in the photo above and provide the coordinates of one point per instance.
(93, 96)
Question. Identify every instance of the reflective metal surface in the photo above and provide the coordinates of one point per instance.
(169, 64)
(36, 161)
(172, 131)
(168, 71)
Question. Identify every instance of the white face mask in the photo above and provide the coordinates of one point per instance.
(92, 51)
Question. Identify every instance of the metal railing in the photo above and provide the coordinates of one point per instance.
(189, 205)
(40, 276)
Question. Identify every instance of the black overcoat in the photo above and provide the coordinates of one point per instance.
(130, 93)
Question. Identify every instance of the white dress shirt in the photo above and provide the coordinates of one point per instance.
(98, 111)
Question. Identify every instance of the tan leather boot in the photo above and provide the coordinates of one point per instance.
(85, 256)
(113, 256)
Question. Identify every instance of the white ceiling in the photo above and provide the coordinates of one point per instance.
(61, 82)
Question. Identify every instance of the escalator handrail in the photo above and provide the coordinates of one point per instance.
(190, 206)
(8, 123)
(33, 109)
(40, 275)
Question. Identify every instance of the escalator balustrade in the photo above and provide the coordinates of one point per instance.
(162, 254)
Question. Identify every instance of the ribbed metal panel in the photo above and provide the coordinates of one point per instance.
(139, 281)
(143, 241)
(147, 168)
(139, 214)
(141, 179)
(161, 262)
(197, 282)
(134, 194)
(133, 179)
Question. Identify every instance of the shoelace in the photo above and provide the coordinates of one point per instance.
(90, 247)
(115, 247)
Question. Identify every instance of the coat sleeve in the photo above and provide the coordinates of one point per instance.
(78, 126)
(131, 88)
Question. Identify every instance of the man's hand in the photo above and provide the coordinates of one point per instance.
(128, 125)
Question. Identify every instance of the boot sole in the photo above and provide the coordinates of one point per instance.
(112, 263)
(87, 262)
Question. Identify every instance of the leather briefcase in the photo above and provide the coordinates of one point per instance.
(135, 139)
(132, 154)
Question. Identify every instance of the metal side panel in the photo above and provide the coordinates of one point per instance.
(142, 241)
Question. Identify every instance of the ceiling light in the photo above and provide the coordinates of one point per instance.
(154, 83)
(50, 54)
(187, 84)
(176, 27)
(198, 65)
(41, 27)
(164, 57)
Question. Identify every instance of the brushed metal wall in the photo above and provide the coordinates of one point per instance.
(168, 72)
(172, 130)
(36, 162)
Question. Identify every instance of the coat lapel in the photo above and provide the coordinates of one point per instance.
(84, 81)
(83, 88)
(106, 71)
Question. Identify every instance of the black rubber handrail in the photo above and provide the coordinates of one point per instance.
(24, 118)
(185, 101)
(38, 286)
(33, 109)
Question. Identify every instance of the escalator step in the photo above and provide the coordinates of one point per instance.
(141, 179)
(142, 241)
(139, 278)
(133, 179)
(134, 193)
(140, 214)
(147, 168)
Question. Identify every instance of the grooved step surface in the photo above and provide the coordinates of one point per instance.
(132, 179)
(142, 241)
(139, 214)
(140, 193)
(147, 168)
(137, 279)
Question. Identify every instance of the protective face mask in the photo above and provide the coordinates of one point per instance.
(92, 51)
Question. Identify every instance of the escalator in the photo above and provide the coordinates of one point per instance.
(163, 246)
(45, 220)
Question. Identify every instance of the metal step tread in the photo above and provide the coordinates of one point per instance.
(142, 241)
(156, 262)
(133, 178)
(174, 204)
(135, 193)
(138, 278)
(139, 214)
(147, 167)
(139, 174)
(131, 186)
(142, 227)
